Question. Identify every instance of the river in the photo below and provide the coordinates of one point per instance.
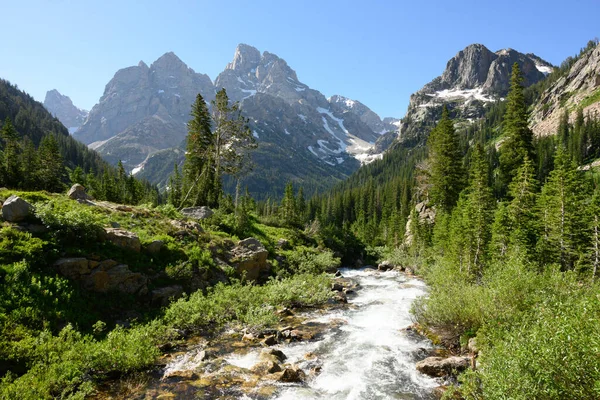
(369, 355)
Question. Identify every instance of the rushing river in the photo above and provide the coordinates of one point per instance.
(369, 355)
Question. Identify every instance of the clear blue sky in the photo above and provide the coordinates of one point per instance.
(378, 52)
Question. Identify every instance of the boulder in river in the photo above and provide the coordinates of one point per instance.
(439, 366)
(385, 266)
(292, 375)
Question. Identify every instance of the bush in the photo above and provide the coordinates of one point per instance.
(16, 246)
(70, 222)
(303, 260)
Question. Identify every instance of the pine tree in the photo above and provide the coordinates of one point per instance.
(521, 210)
(198, 160)
(501, 226)
(52, 170)
(175, 183)
(11, 167)
(594, 218)
(287, 210)
(479, 205)
(446, 175)
(560, 205)
(518, 142)
(30, 165)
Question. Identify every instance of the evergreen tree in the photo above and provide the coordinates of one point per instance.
(446, 176)
(560, 205)
(522, 208)
(78, 176)
(198, 158)
(175, 188)
(52, 170)
(594, 218)
(287, 210)
(11, 168)
(479, 205)
(30, 165)
(500, 241)
(518, 142)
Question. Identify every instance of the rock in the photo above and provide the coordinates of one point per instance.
(292, 375)
(248, 337)
(472, 346)
(249, 257)
(197, 212)
(117, 278)
(122, 238)
(278, 354)
(408, 271)
(385, 266)
(73, 268)
(266, 367)
(77, 192)
(270, 340)
(124, 208)
(163, 296)
(15, 209)
(186, 375)
(185, 228)
(283, 244)
(338, 274)
(154, 247)
(439, 366)
(336, 287)
(285, 312)
(340, 297)
(62, 107)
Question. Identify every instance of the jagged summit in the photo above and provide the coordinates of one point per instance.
(62, 107)
(245, 58)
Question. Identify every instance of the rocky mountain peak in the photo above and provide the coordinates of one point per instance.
(62, 107)
(468, 68)
(245, 58)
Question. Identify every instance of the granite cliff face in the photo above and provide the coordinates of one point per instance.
(62, 108)
(579, 87)
(302, 136)
(472, 78)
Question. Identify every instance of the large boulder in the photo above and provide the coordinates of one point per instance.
(249, 257)
(15, 209)
(439, 366)
(122, 238)
(197, 212)
(162, 296)
(104, 276)
(77, 192)
(385, 266)
(117, 278)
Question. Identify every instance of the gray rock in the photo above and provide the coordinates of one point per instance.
(385, 266)
(197, 212)
(163, 296)
(154, 247)
(249, 257)
(283, 244)
(439, 366)
(77, 192)
(15, 209)
(122, 238)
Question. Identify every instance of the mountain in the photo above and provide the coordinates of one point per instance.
(577, 87)
(302, 136)
(62, 108)
(30, 118)
(473, 78)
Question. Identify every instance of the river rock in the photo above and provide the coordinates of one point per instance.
(197, 212)
(292, 375)
(15, 209)
(336, 287)
(385, 266)
(277, 354)
(266, 367)
(439, 366)
(249, 257)
(122, 238)
(338, 274)
(77, 192)
(270, 340)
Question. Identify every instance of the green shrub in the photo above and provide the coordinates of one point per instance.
(69, 221)
(16, 245)
(303, 260)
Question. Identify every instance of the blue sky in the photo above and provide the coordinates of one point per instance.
(377, 52)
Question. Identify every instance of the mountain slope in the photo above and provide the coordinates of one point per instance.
(62, 108)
